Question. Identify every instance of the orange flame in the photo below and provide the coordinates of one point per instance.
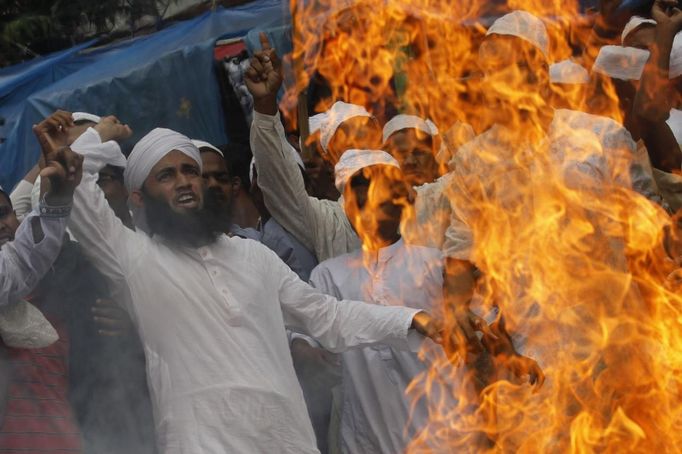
(572, 259)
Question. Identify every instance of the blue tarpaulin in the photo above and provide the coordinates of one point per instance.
(166, 79)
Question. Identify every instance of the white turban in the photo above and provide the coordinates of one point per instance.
(315, 122)
(201, 144)
(401, 121)
(625, 63)
(633, 24)
(340, 112)
(84, 116)
(523, 25)
(675, 123)
(676, 57)
(150, 150)
(568, 72)
(354, 160)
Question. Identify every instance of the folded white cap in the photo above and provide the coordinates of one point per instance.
(675, 123)
(625, 63)
(80, 116)
(676, 57)
(568, 72)
(634, 23)
(401, 121)
(340, 112)
(315, 122)
(202, 144)
(524, 25)
(354, 160)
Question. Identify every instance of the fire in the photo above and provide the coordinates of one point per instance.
(571, 257)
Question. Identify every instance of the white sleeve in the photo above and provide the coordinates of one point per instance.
(23, 262)
(339, 325)
(320, 225)
(21, 198)
(112, 247)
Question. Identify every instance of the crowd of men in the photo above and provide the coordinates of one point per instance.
(179, 301)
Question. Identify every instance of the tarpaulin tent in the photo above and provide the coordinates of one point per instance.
(165, 79)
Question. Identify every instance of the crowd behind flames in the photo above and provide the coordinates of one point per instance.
(365, 283)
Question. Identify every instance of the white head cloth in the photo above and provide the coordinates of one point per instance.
(315, 122)
(401, 121)
(340, 112)
(524, 25)
(201, 144)
(633, 24)
(676, 57)
(675, 123)
(625, 63)
(150, 150)
(354, 160)
(84, 116)
(568, 72)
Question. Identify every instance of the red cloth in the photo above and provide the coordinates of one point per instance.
(38, 417)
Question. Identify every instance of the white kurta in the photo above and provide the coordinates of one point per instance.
(375, 411)
(212, 321)
(322, 225)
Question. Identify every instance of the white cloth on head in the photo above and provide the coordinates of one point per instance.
(568, 72)
(202, 144)
(675, 124)
(402, 121)
(354, 160)
(315, 122)
(84, 116)
(524, 25)
(634, 23)
(676, 57)
(340, 112)
(618, 62)
(150, 150)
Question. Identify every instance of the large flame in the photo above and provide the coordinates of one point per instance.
(573, 260)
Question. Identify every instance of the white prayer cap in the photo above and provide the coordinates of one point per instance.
(523, 25)
(634, 23)
(401, 121)
(84, 116)
(625, 63)
(150, 150)
(315, 122)
(201, 144)
(675, 123)
(676, 57)
(353, 161)
(568, 72)
(340, 112)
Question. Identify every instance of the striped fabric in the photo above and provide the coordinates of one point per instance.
(38, 417)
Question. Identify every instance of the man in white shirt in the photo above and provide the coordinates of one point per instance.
(377, 416)
(212, 310)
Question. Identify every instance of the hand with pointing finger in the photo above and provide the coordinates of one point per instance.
(264, 78)
(63, 168)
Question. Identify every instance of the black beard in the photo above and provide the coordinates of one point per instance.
(194, 229)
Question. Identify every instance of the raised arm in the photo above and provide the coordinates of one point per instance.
(318, 224)
(105, 240)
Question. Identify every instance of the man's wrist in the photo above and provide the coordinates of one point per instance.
(266, 105)
(55, 206)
